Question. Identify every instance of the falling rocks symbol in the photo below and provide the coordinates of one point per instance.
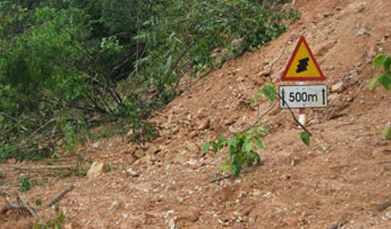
(303, 63)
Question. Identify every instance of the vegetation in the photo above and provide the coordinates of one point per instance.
(66, 66)
(240, 149)
(241, 146)
(384, 79)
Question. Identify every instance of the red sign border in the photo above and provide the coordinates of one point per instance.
(285, 78)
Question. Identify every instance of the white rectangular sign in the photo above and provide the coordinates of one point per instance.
(303, 96)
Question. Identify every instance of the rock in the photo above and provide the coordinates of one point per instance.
(95, 145)
(201, 113)
(192, 147)
(338, 87)
(170, 117)
(295, 160)
(131, 172)
(247, 210)
(193, 134)
(130, 133)
(230, 121)
(180, 159)
(175, 130)
(152, 150)
(203, 124)
(139, 153)
(165, 133)
(290, 222)
(332, 97)
(96, 169)
(68, 226)
(115, 206)
(226, 194)
(190, 215)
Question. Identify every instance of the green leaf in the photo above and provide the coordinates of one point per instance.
(206, 147)
(225, 166)
(221, 142)
(386, 133)
(263, 129)
(233, 170)
(385, 81)
(259, 143)
(373, 83)
(222, 139)
(256, 97)
(270, 92)
(215, 147)
(256, 156)
(38, 202)
(387, 63)
(233, 141)
(379, 60)
(305, 137)
(61, 218)
(248, 145)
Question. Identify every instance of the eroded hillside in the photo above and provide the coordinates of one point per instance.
(343, 177)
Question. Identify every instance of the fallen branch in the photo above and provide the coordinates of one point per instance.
(357, 164)
(55, 200)
(22, 208)
(220, 179)
(339, 225)
(42, 168)
(32, 211)
(383, 206)
(345, 124)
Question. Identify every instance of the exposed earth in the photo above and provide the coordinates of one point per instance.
(342, 180)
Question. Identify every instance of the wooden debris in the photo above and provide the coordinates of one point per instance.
(58, 198)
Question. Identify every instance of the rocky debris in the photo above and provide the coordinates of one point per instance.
(295, 160)
(230, 121)
(116, 205)
(180, 159)
(96, 169)
(189, 214)
(247, 210)
(290, 222)
(193, 148)
(337, 88)
(131, 172)
(203, 124)
(332, 97)
(226, 194)
(139, 153)
(130, 133)
(95, 145)
(152, 150)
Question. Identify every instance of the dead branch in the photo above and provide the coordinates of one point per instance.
(220, 179)
(22, 208)
(5, 194)
(32, 211)
(58, 198)
(42, 169)
(345, 124)
(339, 225)
(258, 119)
(358, 164)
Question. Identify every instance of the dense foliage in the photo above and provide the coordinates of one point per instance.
(68, 65)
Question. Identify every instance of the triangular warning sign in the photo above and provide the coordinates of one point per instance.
(302, 66)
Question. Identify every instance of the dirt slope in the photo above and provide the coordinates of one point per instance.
(296, 187)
